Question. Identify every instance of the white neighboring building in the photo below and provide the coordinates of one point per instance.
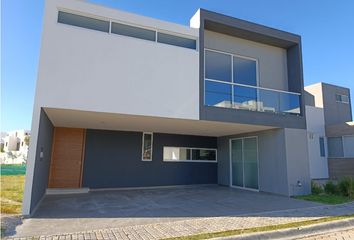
(14, 147)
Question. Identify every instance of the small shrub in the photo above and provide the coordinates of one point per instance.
(315, 188)
(330, 188)
(346, 187)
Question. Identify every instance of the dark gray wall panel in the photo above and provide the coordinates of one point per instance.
(113, 160)
(335, 112)
(42, 165)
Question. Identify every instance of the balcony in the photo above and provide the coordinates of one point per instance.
(252, 98)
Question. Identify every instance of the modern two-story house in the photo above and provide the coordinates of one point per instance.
(127, 101)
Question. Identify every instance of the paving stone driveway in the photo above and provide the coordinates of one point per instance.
(194, 211)
(212, 224)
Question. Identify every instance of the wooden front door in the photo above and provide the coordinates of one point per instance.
(67, 158)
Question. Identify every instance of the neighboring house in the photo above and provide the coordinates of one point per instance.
(330, 131)
(125, 101)
(15, 141)
(15, 147)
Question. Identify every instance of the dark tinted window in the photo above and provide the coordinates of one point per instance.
(82, 21)
(245, 71)
(176, 40)
(217, 66)
(131, 31)
(322, 147)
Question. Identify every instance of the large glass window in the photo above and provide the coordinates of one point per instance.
(244, 71)
(82, 21)
(218, 66)
(147, 147)
(183, 154)
(176, 40)
(131, 31)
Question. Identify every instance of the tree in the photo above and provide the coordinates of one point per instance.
(27, 140)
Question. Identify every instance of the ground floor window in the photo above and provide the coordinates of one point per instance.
(185, 154)
(147, 147)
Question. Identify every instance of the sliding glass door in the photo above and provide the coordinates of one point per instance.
(244, 162)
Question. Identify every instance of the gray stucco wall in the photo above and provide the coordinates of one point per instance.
(42, 165)
(335, 112)
(282, 155)
(113, 160)
(271, 157)
(298, 166)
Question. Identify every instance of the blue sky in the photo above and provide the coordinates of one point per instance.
(326, 27)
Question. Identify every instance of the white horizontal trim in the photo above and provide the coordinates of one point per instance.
(250, 86)
(62, 191)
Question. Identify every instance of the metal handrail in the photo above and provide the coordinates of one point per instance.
(256, 87)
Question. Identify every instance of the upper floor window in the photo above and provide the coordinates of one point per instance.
(132, 31)
(218, 66)
(231, 81)
(176, 40)
(342, 98)
(83, 21)
(126, 30)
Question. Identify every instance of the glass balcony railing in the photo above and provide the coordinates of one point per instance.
(239, 96)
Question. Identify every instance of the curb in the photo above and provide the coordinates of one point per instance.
(299, 232)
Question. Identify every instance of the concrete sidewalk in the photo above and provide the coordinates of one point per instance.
(208, 224)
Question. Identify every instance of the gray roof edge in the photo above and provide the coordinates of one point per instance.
(249, 26)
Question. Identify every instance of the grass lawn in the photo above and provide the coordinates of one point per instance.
(326, 198)
(12, 193)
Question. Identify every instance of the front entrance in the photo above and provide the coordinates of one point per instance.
(67, 158)
(244, 163)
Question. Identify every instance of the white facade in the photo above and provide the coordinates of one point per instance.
(153, 79)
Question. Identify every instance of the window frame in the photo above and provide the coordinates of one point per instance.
(232, 83)
(142, 146)
(84, 15)
(191, 155)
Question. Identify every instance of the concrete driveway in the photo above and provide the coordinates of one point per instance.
(113, 209)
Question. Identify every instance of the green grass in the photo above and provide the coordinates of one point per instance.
(13, 169)
(261, 229)
(12, 194)
(326, 198)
